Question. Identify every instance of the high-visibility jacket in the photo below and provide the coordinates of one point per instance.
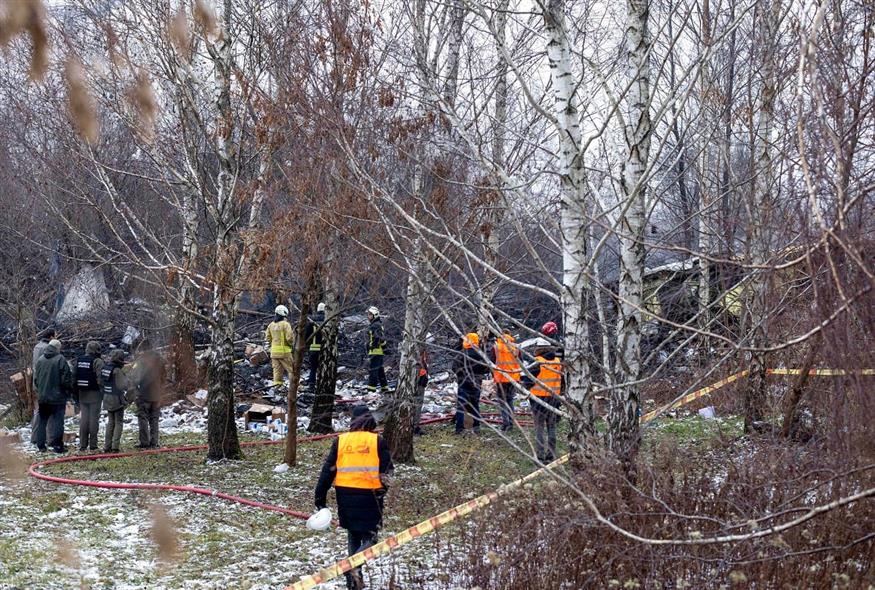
(279, 336)
(549, 378)
(375, 338)
(358, 463)
(507, 366)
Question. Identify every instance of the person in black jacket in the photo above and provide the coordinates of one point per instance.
(470, 372)
(359, 465)
(88, 394)
(314, 341)
(376, 351)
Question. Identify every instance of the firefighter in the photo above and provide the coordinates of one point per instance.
(505, 355)
(88, 395)
(314, 341)
(360, 467)
(547, 387)
(376, 345)
(279, 337)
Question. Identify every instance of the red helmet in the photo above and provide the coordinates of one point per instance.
(550, 329)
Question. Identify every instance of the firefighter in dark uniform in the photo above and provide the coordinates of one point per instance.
(376, 344)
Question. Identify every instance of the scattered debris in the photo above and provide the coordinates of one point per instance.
(86, 295)
(281, 468)
(707, 413)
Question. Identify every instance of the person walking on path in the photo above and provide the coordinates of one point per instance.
(279, 337)
(359, 466)
(505, 356)
(88, 394)
(149, 380)
(376, 345)
(115, 388)
(53, 381)
(314, 344)
(548, 385)
(470, 371)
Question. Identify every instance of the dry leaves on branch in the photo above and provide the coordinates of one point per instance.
(142, 97)
(29, 16)
(205, 16)
(179, 34)
(83, 111)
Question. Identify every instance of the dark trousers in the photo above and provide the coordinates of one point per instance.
(545, 428)
(50, 416)
(148, 414)
(313, 358)
(376, 373)
(504, 394)
(418, 400)
(467, 402)
(358, 541)
(115, 419)
(89, 424)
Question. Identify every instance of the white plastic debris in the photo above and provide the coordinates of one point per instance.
(131, 334)
(707, 413)
(320, 520)
(281, 468)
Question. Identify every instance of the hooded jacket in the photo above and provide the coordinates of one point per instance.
(358, 509)
(52, 377)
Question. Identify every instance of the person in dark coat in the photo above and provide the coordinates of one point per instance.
(45, 337)
(88, 394)
(149, 378)
(53, 381)
(376, 351)
(314, 341)
(360, 466)
(115, 391)
(470, 371)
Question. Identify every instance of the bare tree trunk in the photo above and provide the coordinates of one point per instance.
(761, 209)
(494, 208)
(623, 420)
(222, 437)
(574, 227)
(326, 374)
(291, 450)
(798, 387)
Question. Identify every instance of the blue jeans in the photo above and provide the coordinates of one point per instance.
(467, 402)
(50, 416)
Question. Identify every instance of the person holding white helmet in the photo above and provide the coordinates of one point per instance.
(279, 336)
(376, 342)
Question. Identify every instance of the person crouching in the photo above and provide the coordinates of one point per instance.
(359, 465)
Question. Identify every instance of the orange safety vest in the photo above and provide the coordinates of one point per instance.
(358, 463)
(507, 367)
(549, 378)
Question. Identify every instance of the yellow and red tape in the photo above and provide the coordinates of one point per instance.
(427, 526)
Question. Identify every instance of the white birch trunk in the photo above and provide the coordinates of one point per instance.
(574, 227)
(623, 430)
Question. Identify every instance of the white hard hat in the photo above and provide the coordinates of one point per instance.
(281, 310)
(320, 307)
(319, 520)
(374, 311)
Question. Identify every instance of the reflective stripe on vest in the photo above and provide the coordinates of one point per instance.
(507, 368)
(85, 377)
(549, 377)
(278, 344)
(358, 463)
(374, 350)
(108, 381)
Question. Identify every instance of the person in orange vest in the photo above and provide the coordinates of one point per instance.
(547, 386)
(505, 356)
(279, 337)
(360, 467)
(470, 371)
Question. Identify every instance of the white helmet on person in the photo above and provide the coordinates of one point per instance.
(320, 307)
(374, 311)
(281, 310)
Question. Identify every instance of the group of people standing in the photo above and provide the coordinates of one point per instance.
(542, 378)
(91, 383)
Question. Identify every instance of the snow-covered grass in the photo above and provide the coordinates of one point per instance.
(64, 536)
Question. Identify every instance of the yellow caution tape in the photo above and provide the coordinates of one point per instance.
(427, 526)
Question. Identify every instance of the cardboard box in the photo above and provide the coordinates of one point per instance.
(263, 414)
(70, 410)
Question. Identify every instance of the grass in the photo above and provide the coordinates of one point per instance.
(223, 544)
